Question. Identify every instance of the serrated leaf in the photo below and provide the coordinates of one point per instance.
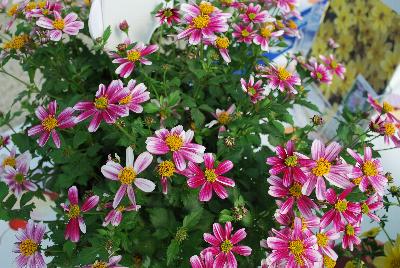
(150, 108)
(172, 251)
(174, 98)
(191, 220)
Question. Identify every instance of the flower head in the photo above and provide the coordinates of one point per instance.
(168, 15)
(283, 78)
(350, 235)
(221, 43)
(166, 169)
(254, 90)
(320, 73)
(333, 66)
(113, 262)
(137, 95)
(44, 8)
(325, 241)
(255, 15)
(243, 33)
(386, 108)
(4, 141)
(265, 34)
(392, 255)
(369, 206)
(205, 260)
(222, 118)
(115, 215)
(69, 25)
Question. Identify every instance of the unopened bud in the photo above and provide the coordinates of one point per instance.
(394, 190)
(124, 26)
(389, 177)
(181, 234)
(122, 47)
(148, 120)
(229, 142)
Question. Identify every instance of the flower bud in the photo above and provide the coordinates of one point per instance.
(389, 177)
(181, 234)
(122, 47)
(124, 26)
(229, 142)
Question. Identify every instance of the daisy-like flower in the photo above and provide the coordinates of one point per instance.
(44, 8)
(115, 215)
(168, 16)
(369, 206)
(320, 73)
(392, 255)
(243, 33)
(350, 235)
(254, 90)
(368, 171)
(11, 160)
(204, 21)
(290, 28)
(322, 166)
(288, 163)
(138, 94)
(265, 34)
(179, 143)
(16, 177)
(255, 15)
(221, 43)
(205, 260)
(74, 214)
(222, 118)
(340, 208)
(69, 25)
(224, 244)
(384, 108)
(283, 77)
(113, 262)
(292, 195)
(293, 248)
(386, 127)
(166, 169)
(4, 141)
(326, 241)
(333, 66)
(105, 106)
(50, 123)
(127, 59)
(211, 178)
(128, 175)
(28, 246)
(286, 5)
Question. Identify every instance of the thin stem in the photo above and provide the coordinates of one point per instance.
(13, 76)
(386, 233)
(387, 149)
(13, 130)
(126, 133)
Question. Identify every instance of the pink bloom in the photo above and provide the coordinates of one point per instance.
(291, 29)
(115, 215)
(50, 122)
(16, 176)
(322, 166)
(4, 141)
(286, 5)
(113, 262)
(292, 195)
(369, 171)
(294, 248)
(386, 108)
(74, 214)
(221, 43)
(105, 106)
(12, 161)
(283, 78)
(44, 8)
(138, 94)
(168, 15)
(333, 66)
(255, 15)
(166, 169)
(204, 21)
(179, 143)
(388, 128)
(320, 73)
(28, 246)
(210, 179)
(69, 25)
(243, 33)
(340, 208)
(265, 35)
(128, 60)
(326, 241)
(222, 118)
(373, 203)
(223, 245)
(205, 260)
(350, 237)
(288, 163)
(254, 90)
(309, 223)
(128, 175)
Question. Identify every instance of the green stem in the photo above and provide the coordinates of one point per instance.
(386, 233)
(13, 76)
(13, 130)
(126, 133)
(387, 149)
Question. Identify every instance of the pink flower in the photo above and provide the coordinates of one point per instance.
(127, 60)
(205, 260)
(69, 25)
(138, 94)
(386, 108)
(288, 163)
(243, 33)
(115, 215)
(113, 262)
(168, 15)
(210, 179)
(350, 237)
(266, 33)
(373, 203)
(326, 241)
(223, 245)
(28, 246)
(44, 8)
(166, 169)
(388, 128)
(74, 214)
(105, 106)
(179, 143)
(340, 208)
(254, 90)
(128, 175)
(286, 5)
(293, 248)
(292, 195)
(12, 161)
(221, 43)
(322, 166)
(16, 176)
(204, 21)
(222, 118)
(333, 66)
(320, 73)
(50, 122)
(368, 171)
(283, 78)
(255, 15)
(4, 141)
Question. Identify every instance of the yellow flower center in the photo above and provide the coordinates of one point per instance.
(222, 42)
(291, 161)
(101, 103)
(120, 208)
(174, 142)
(322, 240)
(334, 64)
(283, 74)
(245, 33)
(74, 211)
(28, 247)
(350, 230)
(100, 264)
(167, 13)
(226, 246)
(206, 8)
(166, 168)
(292, 24)
(369, 168)
(390, 129)
(125, 100)
(387, 107)
(13, 10)
(364, 208)
(210, 175)
(319, 76)
(296, 247)
(295, 190)
(252, 16)
(17, 42)
(251, 91)
(133, 55)
(341, 205)
(279, 24)
(19, 178)
(322, 168)
(265, 32)
(127, 175)
(224, 118)
(357, 181)
(201, 21)
(328, 262)
(59, 24)
(41, 4)
(30, 6)
(9, 161)
(49, 123)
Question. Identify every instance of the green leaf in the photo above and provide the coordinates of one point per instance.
(172, 251)
(79, 138)
(198, 117)
(174, 98)
(69, 247)
(107, 34)
(191, 220)
(3, 190)
(158, 217)
(26, 197)
(150, 108)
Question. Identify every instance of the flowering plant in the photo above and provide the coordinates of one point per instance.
(217, 149)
